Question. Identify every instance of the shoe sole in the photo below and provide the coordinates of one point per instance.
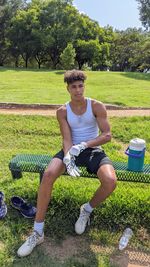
(32, 250)
(27, 216)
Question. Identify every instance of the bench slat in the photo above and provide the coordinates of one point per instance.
(38, 163)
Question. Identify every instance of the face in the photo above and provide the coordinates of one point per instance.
(76, 90)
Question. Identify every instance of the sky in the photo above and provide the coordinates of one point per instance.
(120, 14)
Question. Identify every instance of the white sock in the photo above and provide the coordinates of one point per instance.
(38, 227)
(88, 207)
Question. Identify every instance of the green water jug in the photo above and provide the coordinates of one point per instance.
(136, 154)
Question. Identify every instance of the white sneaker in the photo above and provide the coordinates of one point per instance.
(32, 241)
(82, 221)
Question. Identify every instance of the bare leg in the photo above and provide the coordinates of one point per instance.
(54, 169)
(107, 177)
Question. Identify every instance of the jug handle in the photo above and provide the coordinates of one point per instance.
(134, 155)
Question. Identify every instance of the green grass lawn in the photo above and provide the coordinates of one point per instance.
(128, 205)
(45, 86)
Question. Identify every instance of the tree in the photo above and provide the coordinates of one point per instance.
(144, 7)
(59, 17)
(87, 29)
(23, 34)
(4, 24)
(88, 52)
(122, 50)
(141, 56)
(68, 57)
(42, 29)
(8, 9)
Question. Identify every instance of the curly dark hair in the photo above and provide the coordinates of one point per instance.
(71, 76)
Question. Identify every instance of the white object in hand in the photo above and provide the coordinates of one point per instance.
(77, 149)
(72, 169)
(127, 234)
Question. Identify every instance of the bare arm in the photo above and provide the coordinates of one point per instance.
(64, 128)
(100, 113)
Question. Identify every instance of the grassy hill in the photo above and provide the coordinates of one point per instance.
(45, 86)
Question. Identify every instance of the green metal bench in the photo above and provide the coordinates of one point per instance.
(38, 163)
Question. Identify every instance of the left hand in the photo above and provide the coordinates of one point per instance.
(71, 167)
(77, 149)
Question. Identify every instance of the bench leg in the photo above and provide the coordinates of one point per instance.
(41, 176)
(16, 174)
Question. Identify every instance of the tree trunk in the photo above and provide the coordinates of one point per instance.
(16, 62)
(26, 61)
(80, 65)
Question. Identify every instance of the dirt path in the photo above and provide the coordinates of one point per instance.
(78, 246)
(52, 112)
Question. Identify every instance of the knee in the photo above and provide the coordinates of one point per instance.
(48, 177)
(109, 182)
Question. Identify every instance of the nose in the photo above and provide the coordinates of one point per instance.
(78, 88)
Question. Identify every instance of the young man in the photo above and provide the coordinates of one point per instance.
(80, 122)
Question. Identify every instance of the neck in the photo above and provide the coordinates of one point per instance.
(78, 103)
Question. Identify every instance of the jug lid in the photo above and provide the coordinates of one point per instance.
(137, 144)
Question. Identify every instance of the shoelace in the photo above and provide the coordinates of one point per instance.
(85, 217)
(32, 239)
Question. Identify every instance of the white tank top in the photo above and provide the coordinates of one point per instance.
(83, 127)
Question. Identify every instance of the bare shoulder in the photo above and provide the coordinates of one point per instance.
(98, 108)
(61, 112)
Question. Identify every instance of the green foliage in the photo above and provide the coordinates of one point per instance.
(8, 10)
(68, 57)
(5, 16)
(141, 55)
(25, 33)
(61, 26)
(144, 7)
(88, 52)
(39, 31)
(125, 48)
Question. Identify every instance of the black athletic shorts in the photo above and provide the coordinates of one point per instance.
(91, 158)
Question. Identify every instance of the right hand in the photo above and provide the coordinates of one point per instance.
(77, 149)
(71, 167)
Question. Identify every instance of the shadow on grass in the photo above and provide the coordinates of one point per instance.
(59, 72)
(136, 75)
(4, 69)
(77, 251)
(120, 104)
(65, 254)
